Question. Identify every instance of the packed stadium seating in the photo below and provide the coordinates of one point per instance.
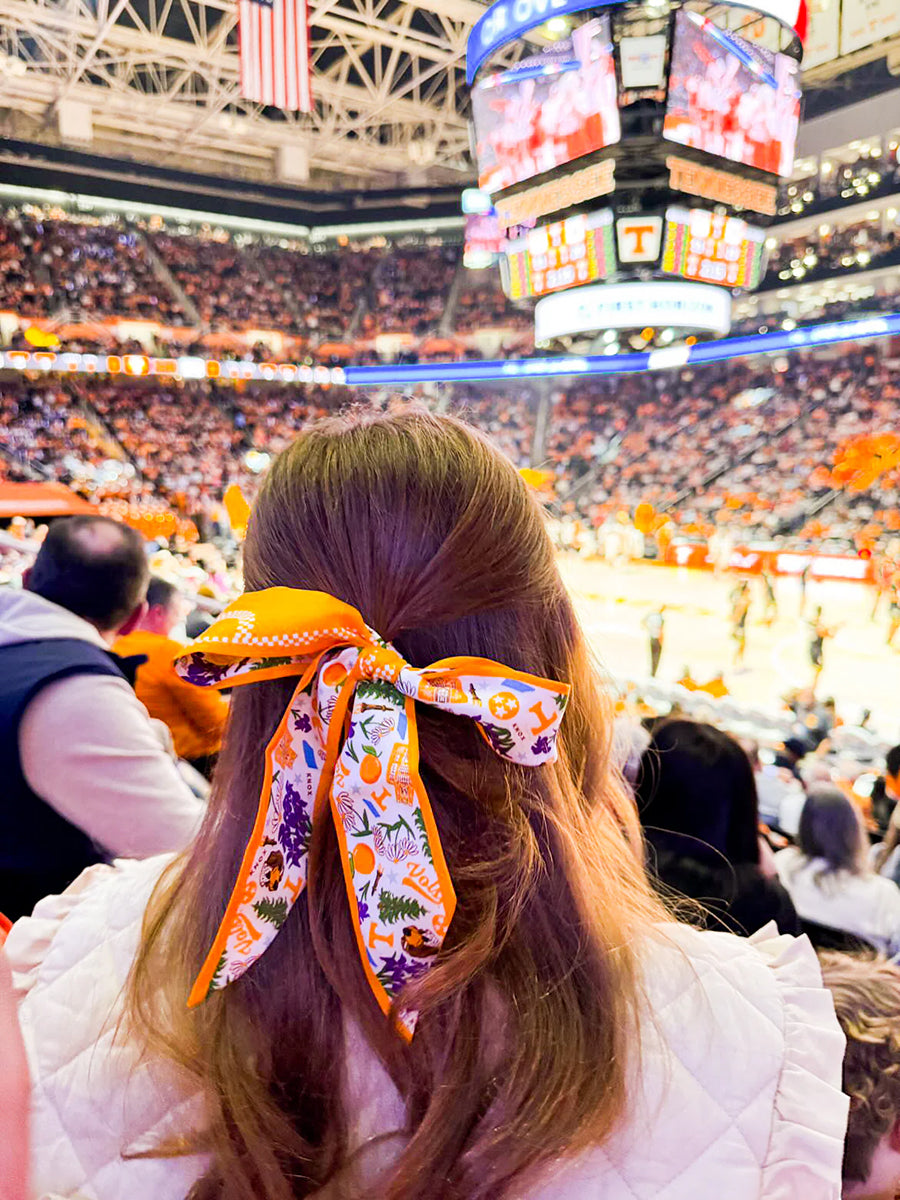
(738, 445)
(84, 271)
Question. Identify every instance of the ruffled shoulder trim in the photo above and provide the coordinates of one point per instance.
(31, 938)
(806, 1145)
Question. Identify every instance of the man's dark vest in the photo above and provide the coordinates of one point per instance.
(35, 841)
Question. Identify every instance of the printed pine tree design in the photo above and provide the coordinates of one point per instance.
(275, 911)
(419, 822)
(376, 689)
(217, 980)
(393, 908)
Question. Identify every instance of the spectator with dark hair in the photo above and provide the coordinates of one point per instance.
(697, 800)
(195, 716)
(885, 797)
(792, 752)
(85, 774)
(828, 876)
(866, 994)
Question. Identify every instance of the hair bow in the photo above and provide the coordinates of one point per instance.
(348, 739)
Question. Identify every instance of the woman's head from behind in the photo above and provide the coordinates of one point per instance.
(426, 529)
(830, 829)
(697, 782)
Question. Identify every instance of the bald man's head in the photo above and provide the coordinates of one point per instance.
(94, 567)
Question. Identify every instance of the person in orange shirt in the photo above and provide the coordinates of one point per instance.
(195, 716)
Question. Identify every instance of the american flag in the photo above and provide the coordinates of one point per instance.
(274, 38)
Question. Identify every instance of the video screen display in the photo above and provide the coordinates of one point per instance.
(712, 248)
(731, 98)
(561, 255)
(550, 109)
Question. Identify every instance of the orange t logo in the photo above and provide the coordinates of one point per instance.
(639, 232)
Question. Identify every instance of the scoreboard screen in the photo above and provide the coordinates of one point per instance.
(712, 248)
(561, 255)
(547, 110)
(731, 98)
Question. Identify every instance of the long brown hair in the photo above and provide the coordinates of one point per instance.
(527, 1020)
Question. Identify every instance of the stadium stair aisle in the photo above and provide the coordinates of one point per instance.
(448, 320)
(715, 476)
(165, 277)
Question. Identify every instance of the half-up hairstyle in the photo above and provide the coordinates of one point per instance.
(527, 1025)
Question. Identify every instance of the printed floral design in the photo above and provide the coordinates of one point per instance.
(397, 882)
(296, 826)
(394, 846)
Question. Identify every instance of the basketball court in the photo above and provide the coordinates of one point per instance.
(860, 670)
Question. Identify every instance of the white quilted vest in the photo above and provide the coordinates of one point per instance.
(739, 1094)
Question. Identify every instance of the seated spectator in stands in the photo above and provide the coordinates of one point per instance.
(524, 1074)
(697, 802)
(885, 795)
(195, 716)
(828, 876)
(791, 754)
(85, 775)
(781, 796)
(866, 994)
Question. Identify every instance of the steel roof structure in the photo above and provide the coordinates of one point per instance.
(156, 81)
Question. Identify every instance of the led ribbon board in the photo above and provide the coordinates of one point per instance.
(507, 20)
(671, 358)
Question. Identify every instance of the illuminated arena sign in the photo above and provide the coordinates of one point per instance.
(721, 186)
(671, 358)
(713, 248)
(562, 255)
(631, 305)
(583, 185)
(507, 20)
(189, 366)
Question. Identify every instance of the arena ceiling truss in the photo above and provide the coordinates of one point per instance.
(160, 79)
(157, 81)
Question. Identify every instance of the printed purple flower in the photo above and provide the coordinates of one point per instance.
(302, 722)
(398, 970)
(297, 826)
(363, 910)
(197, 671)
(541, 746)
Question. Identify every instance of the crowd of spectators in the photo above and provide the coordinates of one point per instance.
(86, 269)
(79, 269)
(872, 172)
(829, 250)
(482, 303)
(410, 289)
(745, 447)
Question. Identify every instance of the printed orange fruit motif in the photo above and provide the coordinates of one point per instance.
(364, 859)
(370, 768)
(503, 706)
(334, 674)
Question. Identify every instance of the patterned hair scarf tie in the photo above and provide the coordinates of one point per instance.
(348, 740)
